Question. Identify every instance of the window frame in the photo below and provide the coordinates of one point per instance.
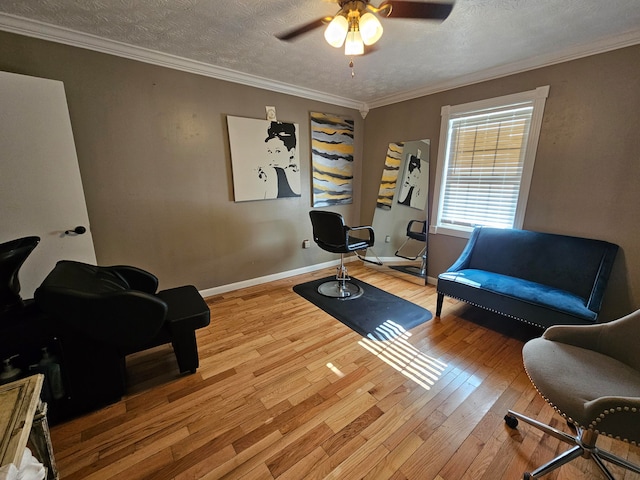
(537, 98)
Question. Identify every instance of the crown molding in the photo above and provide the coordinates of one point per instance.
(45, 31)
(615, 42)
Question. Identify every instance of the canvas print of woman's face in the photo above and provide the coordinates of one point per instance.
(264, 158)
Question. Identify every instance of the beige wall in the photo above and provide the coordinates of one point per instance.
(586, 180)
(154, 158)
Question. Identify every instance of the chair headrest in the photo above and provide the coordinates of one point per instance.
(85, 278)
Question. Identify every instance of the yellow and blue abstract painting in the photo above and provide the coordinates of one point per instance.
(389, 180)
(332, 159)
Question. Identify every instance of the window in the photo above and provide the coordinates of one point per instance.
(485, 161)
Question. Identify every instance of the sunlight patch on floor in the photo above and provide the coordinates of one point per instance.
(390, 344)
(335, 370)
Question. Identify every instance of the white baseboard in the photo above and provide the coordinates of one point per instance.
(270, 278)
(401, 261)
(292, 273)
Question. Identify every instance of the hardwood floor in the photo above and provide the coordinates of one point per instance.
(285, 391)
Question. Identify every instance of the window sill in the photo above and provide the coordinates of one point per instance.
(453, 232)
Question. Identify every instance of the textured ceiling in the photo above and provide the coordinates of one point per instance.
(481, 39)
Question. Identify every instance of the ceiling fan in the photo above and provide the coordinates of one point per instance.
(356, 24)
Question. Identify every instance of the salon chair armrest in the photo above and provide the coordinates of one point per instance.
(124, 320)
(371, 239)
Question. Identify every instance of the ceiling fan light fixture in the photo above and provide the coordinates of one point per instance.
(370, 28)
(336, 31)
(354, 44)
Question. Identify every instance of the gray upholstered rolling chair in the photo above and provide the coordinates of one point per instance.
(590, 374)
(331, 234)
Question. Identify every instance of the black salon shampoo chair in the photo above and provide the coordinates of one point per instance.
(12, 256)
(103, 314)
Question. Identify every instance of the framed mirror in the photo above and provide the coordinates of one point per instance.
(400, 220)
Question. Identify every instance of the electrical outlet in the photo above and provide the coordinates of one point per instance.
(306, 244)
(387, 239)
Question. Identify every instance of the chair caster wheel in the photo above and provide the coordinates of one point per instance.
(512, 422)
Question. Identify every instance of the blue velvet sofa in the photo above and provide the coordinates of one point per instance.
(540, 278)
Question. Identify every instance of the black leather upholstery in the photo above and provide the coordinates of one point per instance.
(104, 313)
(332, 235)
(12, 256)
(99, 303)
(420, 235)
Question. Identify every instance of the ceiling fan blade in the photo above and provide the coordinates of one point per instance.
(291, 34)
(425, 10)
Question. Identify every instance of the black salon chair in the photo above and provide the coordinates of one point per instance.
(102, 314)
(331, 234)
(12, 256)
(416, 232)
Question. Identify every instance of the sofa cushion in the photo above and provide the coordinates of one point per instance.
(567, 263)
(521, 289)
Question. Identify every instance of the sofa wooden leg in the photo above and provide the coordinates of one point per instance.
(439, 304)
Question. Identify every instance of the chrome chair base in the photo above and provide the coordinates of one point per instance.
(341, 287)
(584, 445)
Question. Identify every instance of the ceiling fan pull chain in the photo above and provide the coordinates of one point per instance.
(353, 74)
